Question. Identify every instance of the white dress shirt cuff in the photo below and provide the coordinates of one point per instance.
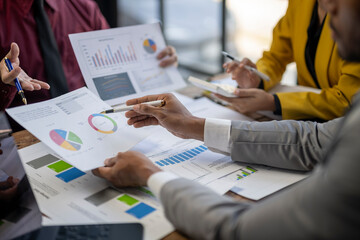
(158, 180)
(217, 134)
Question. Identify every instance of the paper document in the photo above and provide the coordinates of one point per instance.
(120, 63)
(256, 182)
(187, 158)
(68, 197)
(73, 128)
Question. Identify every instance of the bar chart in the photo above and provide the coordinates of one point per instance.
(109, 53)
(182, 157)
(66, 172)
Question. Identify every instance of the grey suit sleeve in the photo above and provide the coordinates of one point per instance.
(295, 145)
(326, 205)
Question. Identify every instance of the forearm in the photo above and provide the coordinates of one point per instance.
(288, 144)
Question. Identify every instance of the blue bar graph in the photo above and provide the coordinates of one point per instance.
(182, 157)
(140, 210)
(70, 175)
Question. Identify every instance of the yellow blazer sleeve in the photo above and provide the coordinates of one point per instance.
(329, 104)
(274, 62)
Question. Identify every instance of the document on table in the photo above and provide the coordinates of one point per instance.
(72, 126)
(120, 63)
(256, 182)
(188, 158)
(68, 198)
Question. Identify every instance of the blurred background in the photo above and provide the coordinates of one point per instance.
(201, 29)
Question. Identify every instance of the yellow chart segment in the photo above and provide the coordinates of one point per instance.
(68, 146)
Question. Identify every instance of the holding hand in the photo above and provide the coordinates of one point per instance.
(128, 169)
(27, 83)
(251, 100)
(173, 116)
(168, 57)
(244, 77)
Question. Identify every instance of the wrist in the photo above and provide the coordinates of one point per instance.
(148, 172)
(196, 127)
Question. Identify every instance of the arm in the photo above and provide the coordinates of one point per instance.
(7, 85)
(329, 104)
(285, 144)
(324, 206)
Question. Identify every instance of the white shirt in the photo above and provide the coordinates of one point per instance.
(216, 135)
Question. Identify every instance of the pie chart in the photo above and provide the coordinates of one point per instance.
(66, 139)
(102, 123)
(149, 45)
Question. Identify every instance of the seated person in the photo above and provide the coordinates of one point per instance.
(22, 20)
(301, 36)
(326, 205)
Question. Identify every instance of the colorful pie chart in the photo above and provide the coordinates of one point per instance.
(149, 46)
(102, 123)
(66, 139)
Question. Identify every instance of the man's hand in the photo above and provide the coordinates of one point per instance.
(168, 57)
(128, 169)
(251, 100)
(243, 77)
(173, 116)
(27, 83)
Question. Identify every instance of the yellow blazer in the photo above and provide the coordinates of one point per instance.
(338, 79)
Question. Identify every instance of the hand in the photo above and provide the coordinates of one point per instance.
(243, 77)
(27, 83)
(128, 169)
(168, 57)
(251, 100)
(173, 116)
(8, 189)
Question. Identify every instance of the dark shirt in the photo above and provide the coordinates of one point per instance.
(314, 33)
(17, 24)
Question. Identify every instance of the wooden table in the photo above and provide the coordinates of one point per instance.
(24, 139)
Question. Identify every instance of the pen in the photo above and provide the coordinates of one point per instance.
(5, 133)
(260, 74)
(16, 80)
(158, 103)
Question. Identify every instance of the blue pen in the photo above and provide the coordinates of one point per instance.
(17, 83)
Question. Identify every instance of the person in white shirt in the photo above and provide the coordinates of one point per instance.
(326, 205)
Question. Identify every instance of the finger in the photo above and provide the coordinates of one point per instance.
(230, 100)
(168, 51)
(147, 122)
(8, 77)
(146, 109)
(27, 86)
(168, 61)
(132, 113)
(103, 172)
(147, 98)
(42, 84)
(131, 121)
(232, 66)
(248, 62)
(14, 52)
(244, 92)
(109, 162)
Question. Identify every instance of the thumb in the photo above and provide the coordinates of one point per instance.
(103, 172)
(14, 52)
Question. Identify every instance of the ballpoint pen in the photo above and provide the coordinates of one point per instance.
(260, 74)
(158, 103)
(16, 80)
